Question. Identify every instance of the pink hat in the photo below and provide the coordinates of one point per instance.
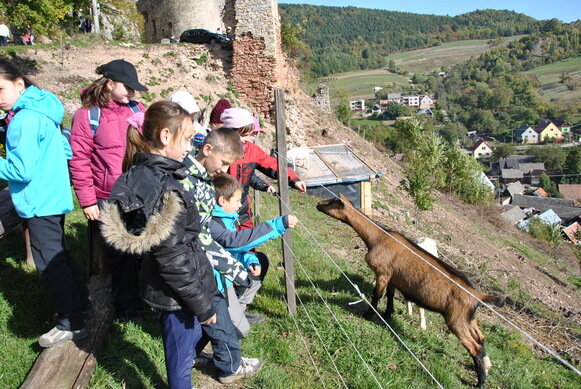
(236, 118)
(257, 127)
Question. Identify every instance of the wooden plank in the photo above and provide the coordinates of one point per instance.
(366, 199)
(70, 365)
(284, 199)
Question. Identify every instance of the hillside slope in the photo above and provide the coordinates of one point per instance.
(498, 258)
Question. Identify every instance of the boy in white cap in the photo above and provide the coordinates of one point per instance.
(187, 102)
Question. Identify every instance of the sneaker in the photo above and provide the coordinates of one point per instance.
(57, 336)
(203, 360)
(248, 366)
(253, 318)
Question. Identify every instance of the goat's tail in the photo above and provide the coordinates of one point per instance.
(496, 300)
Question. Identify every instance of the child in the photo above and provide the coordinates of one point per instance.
(36, 170)
(254, 158)
(223, 229)
(217, 111)
(149, 213)
(221, 148)
(98, 138)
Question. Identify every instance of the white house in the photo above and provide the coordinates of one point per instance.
(377, 89)
(526, 134)
(425, 102)
(357, 105)
(480, 149)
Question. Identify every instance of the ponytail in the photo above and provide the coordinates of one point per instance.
(135, 143)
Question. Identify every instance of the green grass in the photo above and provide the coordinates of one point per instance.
(447, 54)
(550, 87)
(133, 355)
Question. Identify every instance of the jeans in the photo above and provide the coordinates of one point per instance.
(224, 339)
(181, 332)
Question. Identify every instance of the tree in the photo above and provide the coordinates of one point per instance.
(343, 110)
(42, 16)
(394, 110)
(573, 164)
(502, 151)
(464, 176)
(423, 171)
(548, 185)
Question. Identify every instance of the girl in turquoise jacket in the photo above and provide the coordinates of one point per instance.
(38, 179)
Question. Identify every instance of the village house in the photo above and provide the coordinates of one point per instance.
(563, 125)
(565, 209)
(357, 105)
(426, 102)
(480, 149)
(394, 98)
(548, 130)
(526, 134)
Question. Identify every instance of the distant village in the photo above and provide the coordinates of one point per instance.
(516, 178)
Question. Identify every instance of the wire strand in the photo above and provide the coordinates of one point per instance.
(363, 298)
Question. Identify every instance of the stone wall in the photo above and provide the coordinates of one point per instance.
(257, 52)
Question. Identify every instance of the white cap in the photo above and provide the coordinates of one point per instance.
(185, 100)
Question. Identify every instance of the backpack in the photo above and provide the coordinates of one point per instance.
(95, 114)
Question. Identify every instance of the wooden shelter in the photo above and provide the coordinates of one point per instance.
(332, 169)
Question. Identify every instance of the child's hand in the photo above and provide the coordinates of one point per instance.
(92, 212)
(301, 186)
(292, 221)
(271, 190)
(211, 320)
(255, 270)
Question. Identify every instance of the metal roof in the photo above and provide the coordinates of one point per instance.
(332, 164)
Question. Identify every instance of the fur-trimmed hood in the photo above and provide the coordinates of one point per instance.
(158, 227)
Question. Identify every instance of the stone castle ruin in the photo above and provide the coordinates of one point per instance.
(257, 59)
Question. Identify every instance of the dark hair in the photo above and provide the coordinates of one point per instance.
(97, 94)
(219, 108)
(160, 115)
(226, 186)
(225, 140)
(10, 72)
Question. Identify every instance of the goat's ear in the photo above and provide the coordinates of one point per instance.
(343, 198)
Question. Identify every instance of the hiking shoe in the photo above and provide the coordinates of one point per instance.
(253, 318)
(248, 366)
(57, 336)
(203, 360)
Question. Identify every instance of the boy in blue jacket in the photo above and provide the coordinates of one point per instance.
(239, 243)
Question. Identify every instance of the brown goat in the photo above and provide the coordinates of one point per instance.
(394, 260)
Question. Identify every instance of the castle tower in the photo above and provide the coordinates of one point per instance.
(256, 56)
(164, 18)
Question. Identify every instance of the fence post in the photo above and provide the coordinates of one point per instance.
(284, 200)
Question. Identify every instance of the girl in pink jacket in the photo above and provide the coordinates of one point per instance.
(98, 139)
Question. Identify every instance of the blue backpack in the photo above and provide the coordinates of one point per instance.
(94, 114)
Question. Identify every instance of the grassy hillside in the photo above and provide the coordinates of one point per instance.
(444, 55)
(325, 344)
(350, 38)
(549, 77)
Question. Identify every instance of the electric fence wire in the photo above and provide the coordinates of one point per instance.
(334, 316)
(318, 334)
(408, 349)
(526, 334)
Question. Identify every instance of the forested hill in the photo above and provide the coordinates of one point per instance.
(350, 38)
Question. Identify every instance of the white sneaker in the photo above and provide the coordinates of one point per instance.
(248, 366)
(57, 336)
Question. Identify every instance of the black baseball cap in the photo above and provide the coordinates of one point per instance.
(122, 71)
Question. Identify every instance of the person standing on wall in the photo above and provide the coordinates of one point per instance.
(98, 140)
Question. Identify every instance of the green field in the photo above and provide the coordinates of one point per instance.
(549, 75)
(448, 54)
(359, 85)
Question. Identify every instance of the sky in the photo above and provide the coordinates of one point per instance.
(564, 10)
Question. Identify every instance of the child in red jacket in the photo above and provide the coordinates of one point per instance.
(244, 123)
(98, 141)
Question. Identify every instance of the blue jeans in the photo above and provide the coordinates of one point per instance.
(224, 339)
(181, 331)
